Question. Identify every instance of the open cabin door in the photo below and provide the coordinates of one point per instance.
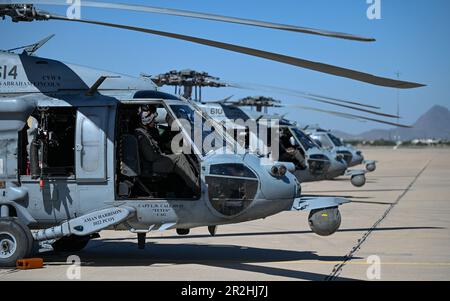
(13, 116)
(90, 144)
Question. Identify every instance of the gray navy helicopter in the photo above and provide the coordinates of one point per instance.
(318, 164)
(70, 163)
(322, 162)
(328, 140)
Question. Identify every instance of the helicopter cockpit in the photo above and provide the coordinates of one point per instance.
(326, 140)
(336, 141)
(306, 142)
(139, 178)
(316, 161)
(330, 142)
(181, 131)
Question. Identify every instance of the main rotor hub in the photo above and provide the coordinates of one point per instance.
(262, 101)
(188, 79)
(22, 12)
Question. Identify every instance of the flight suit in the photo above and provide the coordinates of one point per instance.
(155, 161)
(291, 154)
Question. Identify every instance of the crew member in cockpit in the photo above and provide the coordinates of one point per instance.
(289, 152)
(153, 160)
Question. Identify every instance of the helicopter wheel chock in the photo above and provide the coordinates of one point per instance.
(15, 242)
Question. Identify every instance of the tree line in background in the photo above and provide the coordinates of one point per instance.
(410, 143)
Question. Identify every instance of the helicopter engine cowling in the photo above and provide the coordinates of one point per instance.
(324, 222)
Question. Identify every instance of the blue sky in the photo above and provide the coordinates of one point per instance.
(413, 37)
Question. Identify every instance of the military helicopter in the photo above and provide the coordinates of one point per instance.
(323, 163)
(69, 163)
(319, 164)
(352, 156)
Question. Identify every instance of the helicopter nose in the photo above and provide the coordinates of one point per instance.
(285, 187)
(277, 194)
(358, 158)
(340, 166)
(278, 187)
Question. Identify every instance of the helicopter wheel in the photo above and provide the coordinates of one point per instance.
(324, 222)
(71, 243)
(371, 167)
(359, 180)
(16, 241)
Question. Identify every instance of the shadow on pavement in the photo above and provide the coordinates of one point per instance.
(104, 253)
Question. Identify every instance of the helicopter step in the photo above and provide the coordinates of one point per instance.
(87, 224)
(313, 203)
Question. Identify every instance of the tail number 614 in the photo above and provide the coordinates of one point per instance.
(7, 72)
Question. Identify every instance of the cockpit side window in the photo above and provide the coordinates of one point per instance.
(336, 141)
(324, 141)
(304, 139)
(201, 130)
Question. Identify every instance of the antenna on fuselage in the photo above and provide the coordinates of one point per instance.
(31, 49)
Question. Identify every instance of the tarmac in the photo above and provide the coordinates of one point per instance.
(397, 227)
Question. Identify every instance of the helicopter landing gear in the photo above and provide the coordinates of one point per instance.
(371, 167)
(358, 180)
(183, 231)
(141, 240)
(212, 230)
(16, 241)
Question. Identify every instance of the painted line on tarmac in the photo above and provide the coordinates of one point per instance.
(306, 262)
(337, 269)
(354, 190)
(6, 272)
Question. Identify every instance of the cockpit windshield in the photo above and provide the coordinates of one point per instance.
(304, 139)
(201, 129)
(336, 140)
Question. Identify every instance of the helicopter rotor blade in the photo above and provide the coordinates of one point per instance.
(346, 115)
(292, 92)
(205, 16)
(316, 66)
(323, 99)
(352, 108)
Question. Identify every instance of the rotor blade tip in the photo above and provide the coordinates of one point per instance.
(412, 86)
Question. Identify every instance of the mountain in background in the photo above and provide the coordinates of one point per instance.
(434, 124)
